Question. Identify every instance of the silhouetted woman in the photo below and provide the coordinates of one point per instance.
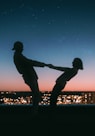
(64, 78)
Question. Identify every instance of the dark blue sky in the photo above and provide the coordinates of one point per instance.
(53, 31)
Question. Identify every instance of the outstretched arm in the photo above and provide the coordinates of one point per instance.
(38, 64)
(33, 62)
(57, 67)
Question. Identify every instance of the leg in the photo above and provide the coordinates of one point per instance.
(33, 84)
(55, 92)
(36, 97)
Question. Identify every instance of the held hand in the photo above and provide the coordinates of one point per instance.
(45, 65)
(50, 65)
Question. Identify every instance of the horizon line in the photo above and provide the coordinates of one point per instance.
(47, 91)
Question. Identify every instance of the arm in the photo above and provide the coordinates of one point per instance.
(57, 67)
(31, 62)
(38, 64)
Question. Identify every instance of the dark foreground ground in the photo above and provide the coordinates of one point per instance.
(62, 114)
(63, 119)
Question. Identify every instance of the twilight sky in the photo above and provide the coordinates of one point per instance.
(52, 31)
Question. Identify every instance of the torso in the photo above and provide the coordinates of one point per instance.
(67, 75)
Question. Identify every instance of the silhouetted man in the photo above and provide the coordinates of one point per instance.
(25, 67)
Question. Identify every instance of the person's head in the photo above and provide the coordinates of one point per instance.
(77, 63)
(18, 46)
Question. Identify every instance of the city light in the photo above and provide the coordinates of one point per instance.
(72, 98)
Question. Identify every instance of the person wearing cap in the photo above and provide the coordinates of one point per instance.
(62, 80)
(25, 67)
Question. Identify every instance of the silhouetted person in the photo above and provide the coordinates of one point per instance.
(64, 78)
(25, 68)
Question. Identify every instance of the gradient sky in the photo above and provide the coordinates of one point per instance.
(52, 31)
